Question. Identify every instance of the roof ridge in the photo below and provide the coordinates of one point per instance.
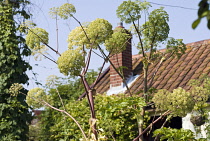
(197, 43)
(140, 55)
(207, 41)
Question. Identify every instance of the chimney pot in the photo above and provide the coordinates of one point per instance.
(120, 24)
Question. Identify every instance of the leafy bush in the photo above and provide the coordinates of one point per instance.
(176, 134)
(116, 115)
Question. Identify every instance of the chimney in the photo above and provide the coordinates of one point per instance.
(121, 59)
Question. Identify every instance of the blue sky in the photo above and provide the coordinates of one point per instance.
(88, 10)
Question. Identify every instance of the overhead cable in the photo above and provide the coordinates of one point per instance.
(173, 6)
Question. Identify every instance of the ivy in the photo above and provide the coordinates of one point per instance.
(14, 114)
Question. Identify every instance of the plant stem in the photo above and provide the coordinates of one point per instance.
(148, 127)
(45, 43)
(57, 31)
(90, 94)
(63, 111)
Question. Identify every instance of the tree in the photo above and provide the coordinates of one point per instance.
(86, 38)
(151, 34)
(14, 114)
(52, 124)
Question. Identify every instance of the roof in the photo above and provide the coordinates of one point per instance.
(37, 112)
(173, 73)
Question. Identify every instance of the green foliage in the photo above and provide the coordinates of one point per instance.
(117, 43)
(77, 38)
(156, 29)
(64, 11)
(82, 38)
(200, 96)
(35, 132)
(175, 46)
(203, 12)
(200, 91)
(179, 101)
(91, 35)
(14, 114)
(153, 32)
(98, 31)
(118, 114)
(63, 127)
(35, 96)
(130, 11)
(71, 62)
(175, 134)
(15, 89)
(14, 118)
(36, 38)
(115, 116)
(54, 124)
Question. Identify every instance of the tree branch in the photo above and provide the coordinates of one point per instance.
(138, 33)
(57, 31)
(48, 58)
(63, 111)
(99, 74)
(152, 45)
(45, 43)
(154, 74)
(105, 56)
(87, 62)
(164, 114)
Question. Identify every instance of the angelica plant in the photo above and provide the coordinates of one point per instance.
(84, 40)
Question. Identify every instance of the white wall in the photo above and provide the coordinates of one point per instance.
(186, 124)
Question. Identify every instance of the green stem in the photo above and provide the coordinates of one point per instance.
(148, 127)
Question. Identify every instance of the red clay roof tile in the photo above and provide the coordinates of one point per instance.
(173, 72)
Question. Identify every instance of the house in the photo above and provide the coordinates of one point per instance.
(36, 116)
(172, 73)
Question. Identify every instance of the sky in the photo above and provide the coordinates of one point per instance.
(181, 15)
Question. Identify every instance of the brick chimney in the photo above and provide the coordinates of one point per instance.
(121, 59)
